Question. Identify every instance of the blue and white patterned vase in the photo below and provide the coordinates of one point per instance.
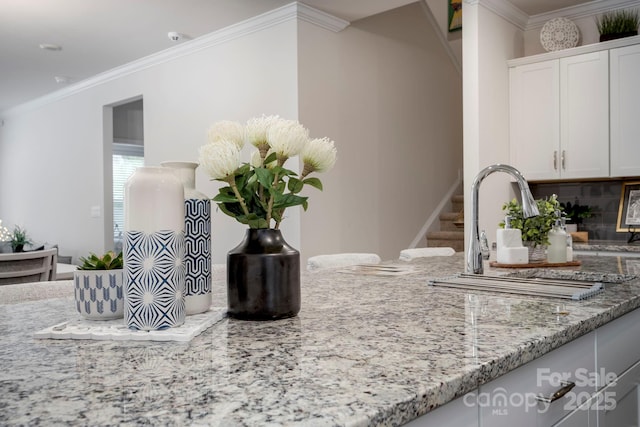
(99, 294)
(197, 236)
(154, 250)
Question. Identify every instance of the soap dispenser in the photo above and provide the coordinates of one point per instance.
(509, 249)
(557, 250)
(569, 240)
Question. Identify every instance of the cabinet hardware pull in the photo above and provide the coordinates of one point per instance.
(562, 160)
(555, 160)
(566, 388)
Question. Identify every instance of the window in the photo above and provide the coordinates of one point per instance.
(126, 158)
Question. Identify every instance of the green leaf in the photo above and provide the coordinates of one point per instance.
(295, 185)
(314, 182)
(287, 200)
(265, 177)
(271, 158)
(225, 198)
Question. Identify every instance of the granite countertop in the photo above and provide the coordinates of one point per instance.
(607, 246)
(364, 350)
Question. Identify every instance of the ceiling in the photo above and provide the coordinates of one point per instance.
(98, 35)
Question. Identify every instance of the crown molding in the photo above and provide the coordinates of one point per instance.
(505, 10)
(591, 8)
(291, 11)
(517, 17)
(320, 18)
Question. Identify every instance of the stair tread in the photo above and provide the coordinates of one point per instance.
(446, 235)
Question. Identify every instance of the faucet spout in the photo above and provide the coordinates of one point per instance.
(529, 209)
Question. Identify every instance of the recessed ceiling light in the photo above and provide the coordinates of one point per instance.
(174, 36)
(62, 79)
(49, 46)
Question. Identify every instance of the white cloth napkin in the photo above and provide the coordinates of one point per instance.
(409, 254)
(341, 260)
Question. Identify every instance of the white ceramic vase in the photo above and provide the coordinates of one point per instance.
(154, 250)
(197, 238)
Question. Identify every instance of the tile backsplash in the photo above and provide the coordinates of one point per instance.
(602, 196)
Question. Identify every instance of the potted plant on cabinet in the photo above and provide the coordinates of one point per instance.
(535, 230)
(98, 284)
(618, 24)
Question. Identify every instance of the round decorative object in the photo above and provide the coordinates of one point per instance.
(154, 250)
(558, 34)
(197, 239)
(263, 277)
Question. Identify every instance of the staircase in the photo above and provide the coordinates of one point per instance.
(451, 232)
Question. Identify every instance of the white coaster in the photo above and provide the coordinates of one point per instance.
(116, 330)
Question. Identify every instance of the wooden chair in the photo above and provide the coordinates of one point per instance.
(24, 267)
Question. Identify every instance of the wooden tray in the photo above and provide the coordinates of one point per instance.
(545, 264)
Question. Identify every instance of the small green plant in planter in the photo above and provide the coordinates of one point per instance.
(109, 261)
(576, 213)
(535, 230)
(98, 286)
(618, 24)
(19, 239)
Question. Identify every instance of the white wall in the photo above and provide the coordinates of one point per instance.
(385, 90)
(51, 163)
(488, 42)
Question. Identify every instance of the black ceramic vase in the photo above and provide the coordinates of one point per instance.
(263, 277)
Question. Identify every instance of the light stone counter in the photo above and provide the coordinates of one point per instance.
(364, 350)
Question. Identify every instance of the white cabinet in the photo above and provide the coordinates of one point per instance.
(625, 123)
(593, 381)
(584, 116)
(461, 412)
(514, 398)
(535, 119)
(559, 123)
(617, 404)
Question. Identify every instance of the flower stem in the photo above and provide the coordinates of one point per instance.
(234, 187)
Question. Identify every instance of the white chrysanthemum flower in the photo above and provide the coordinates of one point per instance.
(226, 130)
(220, 159)
(287, 138)
(319, 155)
(257, 129)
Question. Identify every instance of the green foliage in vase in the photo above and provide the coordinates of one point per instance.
(109, 261)
(576, 212)
(19, 238)
(535, 229)
(618, 22)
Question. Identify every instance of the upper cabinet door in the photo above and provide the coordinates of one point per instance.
(625, 121)
(534, 122)
(584, 116)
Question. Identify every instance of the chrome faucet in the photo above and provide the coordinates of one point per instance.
(529, 208)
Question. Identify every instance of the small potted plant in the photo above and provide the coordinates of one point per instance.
(19, 239)
(575, 214)
(99, 286)
(535, 230)
(618, 24)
